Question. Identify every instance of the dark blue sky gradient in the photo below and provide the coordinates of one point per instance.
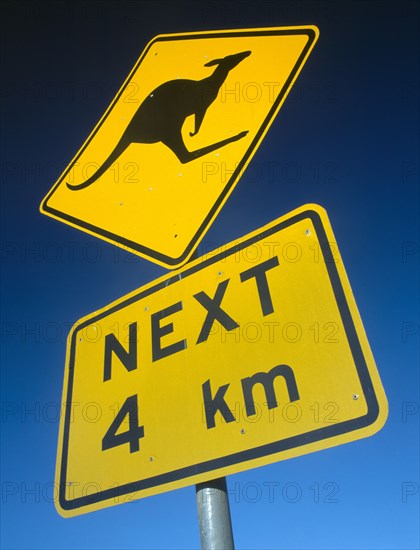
(347, 138)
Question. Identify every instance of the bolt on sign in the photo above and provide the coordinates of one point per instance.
(252, 354)
(165, 156)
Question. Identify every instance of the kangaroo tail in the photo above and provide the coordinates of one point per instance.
(119, 149)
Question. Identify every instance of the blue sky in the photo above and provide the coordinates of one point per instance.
(347, 138)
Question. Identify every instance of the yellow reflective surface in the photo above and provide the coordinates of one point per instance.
(253, 354)
(149, 199)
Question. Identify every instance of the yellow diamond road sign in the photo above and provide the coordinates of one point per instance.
(162, 161)
(253, 354)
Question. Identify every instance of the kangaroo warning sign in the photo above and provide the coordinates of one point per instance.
(165, 156)
(253, 354)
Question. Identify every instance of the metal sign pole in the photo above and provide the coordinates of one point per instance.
(213, 508)
(214, 515)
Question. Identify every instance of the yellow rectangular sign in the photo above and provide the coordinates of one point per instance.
(162, 161)
(250, 355)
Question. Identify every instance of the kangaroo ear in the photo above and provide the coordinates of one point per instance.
(213, 62)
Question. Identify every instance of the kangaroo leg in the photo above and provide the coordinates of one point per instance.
(209, 148)
(178, 147)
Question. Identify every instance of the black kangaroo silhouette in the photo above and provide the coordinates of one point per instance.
(162, 114)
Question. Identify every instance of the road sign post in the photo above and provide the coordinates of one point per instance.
(213, 509)
(214, 515)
